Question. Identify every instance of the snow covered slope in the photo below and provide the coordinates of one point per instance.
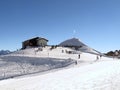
(88, 74)
(4, 52)
(58, 52)
(103, 75)
(72, 42)
(40, 59)
(11, 66)
(78, 43)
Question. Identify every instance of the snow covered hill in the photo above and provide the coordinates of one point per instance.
(32, 60)
(82, 47)
(39, 59)
(4, 52)
(85, 69)
(88, 74)
(72, 42)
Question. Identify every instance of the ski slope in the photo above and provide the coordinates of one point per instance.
(88, 74)
(96, 76)
(28, 61)
(56, 53)
(33, 60)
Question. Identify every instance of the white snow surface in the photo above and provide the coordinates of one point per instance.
(77, 42)
(35, 60)
(103, 75)
(88, 74)
(72, 42)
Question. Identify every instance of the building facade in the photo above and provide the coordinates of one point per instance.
(34, 42)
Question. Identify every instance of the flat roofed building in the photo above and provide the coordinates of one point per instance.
(34, 42)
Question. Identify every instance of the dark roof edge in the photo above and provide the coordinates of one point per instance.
(35, 38)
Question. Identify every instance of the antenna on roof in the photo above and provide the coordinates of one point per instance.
(74, 32)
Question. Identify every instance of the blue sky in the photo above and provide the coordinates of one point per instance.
(96, 22)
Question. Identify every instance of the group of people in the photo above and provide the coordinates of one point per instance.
(97, 57)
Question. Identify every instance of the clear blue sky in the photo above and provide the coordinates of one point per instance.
(96, 22)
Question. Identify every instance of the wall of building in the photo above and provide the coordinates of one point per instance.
(41, 42)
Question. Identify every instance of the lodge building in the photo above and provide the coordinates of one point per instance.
(34, 42)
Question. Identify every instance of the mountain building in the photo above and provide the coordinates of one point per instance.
(34, 42)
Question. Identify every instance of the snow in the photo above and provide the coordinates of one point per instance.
(29, 61)
(11, 66)
(77, 42)
(72, 42)
(55, 53)
(4, 52)
(94, 76)
(88, 74)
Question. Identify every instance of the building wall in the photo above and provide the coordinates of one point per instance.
(25, 44)
(41, 42)
(34, 43)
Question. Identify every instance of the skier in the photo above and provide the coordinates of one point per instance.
(62, 51)
(100, 56)
(76, 62)
(79, 56)
(97, 58)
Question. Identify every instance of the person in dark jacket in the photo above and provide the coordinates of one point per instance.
(79, 56)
